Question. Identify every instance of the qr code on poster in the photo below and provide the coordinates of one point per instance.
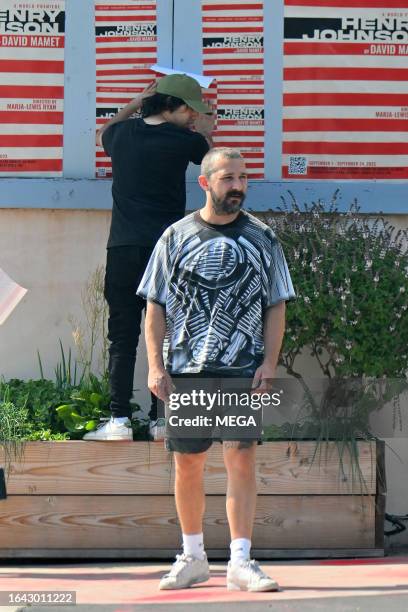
(297, 165)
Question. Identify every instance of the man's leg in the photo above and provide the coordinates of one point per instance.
(239, 460)
(124, 269)
(124, 331)
(192, 566)
(189, 491)
(242, 573)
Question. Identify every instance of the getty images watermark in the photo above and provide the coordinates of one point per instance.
(201, 407)
(206, 410)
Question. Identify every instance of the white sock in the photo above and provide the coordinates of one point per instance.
(120, 420)
(240, 549)
(194, 545)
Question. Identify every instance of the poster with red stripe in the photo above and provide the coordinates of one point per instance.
(345, 104)
(233, 53)
(31, 87)
(126, 45)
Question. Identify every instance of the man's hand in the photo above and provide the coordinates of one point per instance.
(130, 109)
(137, 101)
(160, 383)
(204, 125)
(263, 378)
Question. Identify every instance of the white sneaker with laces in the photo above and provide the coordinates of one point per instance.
(186, 571)
(110, 430)
(157, 429)
(248, 576)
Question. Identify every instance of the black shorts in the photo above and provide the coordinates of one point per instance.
(200, 444)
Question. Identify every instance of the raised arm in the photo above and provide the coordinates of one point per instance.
(127, 111)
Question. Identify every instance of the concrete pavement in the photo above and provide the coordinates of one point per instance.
(341, 584)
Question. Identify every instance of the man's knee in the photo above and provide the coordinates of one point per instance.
(239, 459)
(189, 464)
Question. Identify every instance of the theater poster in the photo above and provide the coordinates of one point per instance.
(345, 102)
(233, 54)
(126, 46)
(31, 87)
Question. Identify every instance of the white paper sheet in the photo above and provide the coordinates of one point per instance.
(204, 81)
(10, 295)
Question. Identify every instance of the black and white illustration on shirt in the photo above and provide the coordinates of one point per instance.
(216, 303)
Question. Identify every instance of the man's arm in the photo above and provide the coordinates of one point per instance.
(130, 109)
(159, 381)
(273, 330)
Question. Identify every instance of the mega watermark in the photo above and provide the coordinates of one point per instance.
(313, 408)
(217, 408)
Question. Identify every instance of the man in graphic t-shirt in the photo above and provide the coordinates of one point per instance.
(149, 156)
(216, 287)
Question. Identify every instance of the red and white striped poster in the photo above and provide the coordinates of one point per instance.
(31, 87)
(233, 53)
(126, 45)
(345, 89)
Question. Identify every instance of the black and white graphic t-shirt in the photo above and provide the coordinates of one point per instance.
(215, 281)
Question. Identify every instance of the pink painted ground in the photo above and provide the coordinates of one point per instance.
(135, 583)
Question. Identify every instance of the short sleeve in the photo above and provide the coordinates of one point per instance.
(107, 137)
(199, 147)
(276, 281)
(154, 284)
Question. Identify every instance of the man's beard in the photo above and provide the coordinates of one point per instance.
(224, 206)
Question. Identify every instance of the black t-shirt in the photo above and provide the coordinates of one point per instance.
(149, 164)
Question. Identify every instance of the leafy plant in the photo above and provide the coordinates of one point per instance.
(351, 277)
(12, 426)
(88, 404)
(45, 434)
(350, 273)
(39, 398)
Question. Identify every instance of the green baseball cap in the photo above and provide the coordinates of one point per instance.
(184, 87)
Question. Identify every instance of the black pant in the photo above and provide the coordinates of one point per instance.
(125, 266)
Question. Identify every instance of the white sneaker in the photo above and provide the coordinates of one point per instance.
(157, 429)
(112, 430)
(248, 576)
(186, 571)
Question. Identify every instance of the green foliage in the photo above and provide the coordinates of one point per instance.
(38, 397)
(350, 274)
(13, 421)
(45, 434)
(87, 405)
(66, 372)
(45, 410)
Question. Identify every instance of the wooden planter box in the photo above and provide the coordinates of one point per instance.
(114, 500)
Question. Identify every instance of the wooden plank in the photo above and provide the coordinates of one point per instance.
(151, 522)
(129, 468)
(169, 553)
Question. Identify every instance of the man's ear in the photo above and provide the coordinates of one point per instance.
(203, 182)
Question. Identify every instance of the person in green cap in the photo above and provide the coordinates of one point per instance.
(149, 156)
